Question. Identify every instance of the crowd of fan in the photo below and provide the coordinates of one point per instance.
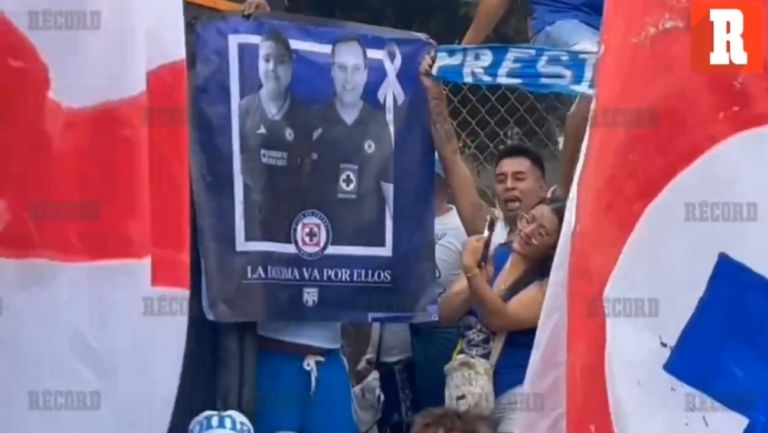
(437, 377)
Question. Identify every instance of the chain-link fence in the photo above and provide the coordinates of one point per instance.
(489, 117)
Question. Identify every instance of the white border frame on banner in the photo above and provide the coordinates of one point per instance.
(241, 244)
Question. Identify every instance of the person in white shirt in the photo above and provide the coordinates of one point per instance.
(391, 348)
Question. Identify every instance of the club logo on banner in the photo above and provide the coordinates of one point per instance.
(294, 177)
(311, 296)
(311, 234)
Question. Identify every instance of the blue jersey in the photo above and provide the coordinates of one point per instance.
(544, 13)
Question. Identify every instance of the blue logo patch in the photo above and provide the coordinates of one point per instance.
(311, 234)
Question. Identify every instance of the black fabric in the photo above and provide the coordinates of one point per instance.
(432, 348)
(197, 384)
(397, 385)
(219, 363)
(277, 5)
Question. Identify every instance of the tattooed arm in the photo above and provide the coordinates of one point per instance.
(471, 208)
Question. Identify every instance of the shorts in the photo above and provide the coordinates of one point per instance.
(568, 35)
(505, 410)
(303, 394)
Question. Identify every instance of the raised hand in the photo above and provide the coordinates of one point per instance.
(251, 7)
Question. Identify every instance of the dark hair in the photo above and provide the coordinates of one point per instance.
(278, 38)
(557, 206)
(543, 267)
(522, 151)
(451, 421)
(354, 39)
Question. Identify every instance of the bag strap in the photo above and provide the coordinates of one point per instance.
(459, 347)
(498, 344)
(376, 340)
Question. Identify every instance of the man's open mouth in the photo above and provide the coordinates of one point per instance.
(511, 204)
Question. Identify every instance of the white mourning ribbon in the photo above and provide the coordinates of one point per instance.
(390, 90)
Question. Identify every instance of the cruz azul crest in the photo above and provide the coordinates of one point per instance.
(311, 234)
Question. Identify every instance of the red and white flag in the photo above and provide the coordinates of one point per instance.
(94, 214)
(669, 150)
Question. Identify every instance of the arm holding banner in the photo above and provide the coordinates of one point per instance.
(473, 212)
(486, 17)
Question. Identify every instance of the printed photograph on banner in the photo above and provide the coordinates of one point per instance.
(312, 144)
(306, 213)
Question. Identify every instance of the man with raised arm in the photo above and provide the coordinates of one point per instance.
(472, 210)
(519, 184)
(560, 24)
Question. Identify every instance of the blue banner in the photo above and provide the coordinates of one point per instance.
(312, 170)
(532, 68)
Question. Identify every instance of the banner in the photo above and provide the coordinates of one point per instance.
(661, 267)
(312, 169)
(535, 69)
(94, 215)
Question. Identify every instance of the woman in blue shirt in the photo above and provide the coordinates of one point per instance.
(507, 297)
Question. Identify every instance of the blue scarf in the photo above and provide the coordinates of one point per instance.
(535, 69)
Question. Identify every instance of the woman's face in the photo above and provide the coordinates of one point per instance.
(537, 233)
(275, 68)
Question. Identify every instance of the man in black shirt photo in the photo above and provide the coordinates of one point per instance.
(352, 159)
(274, 144)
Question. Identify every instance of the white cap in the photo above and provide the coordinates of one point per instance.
(211, 421)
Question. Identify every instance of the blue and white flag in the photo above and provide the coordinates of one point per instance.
(312, 169)
(535, 69)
